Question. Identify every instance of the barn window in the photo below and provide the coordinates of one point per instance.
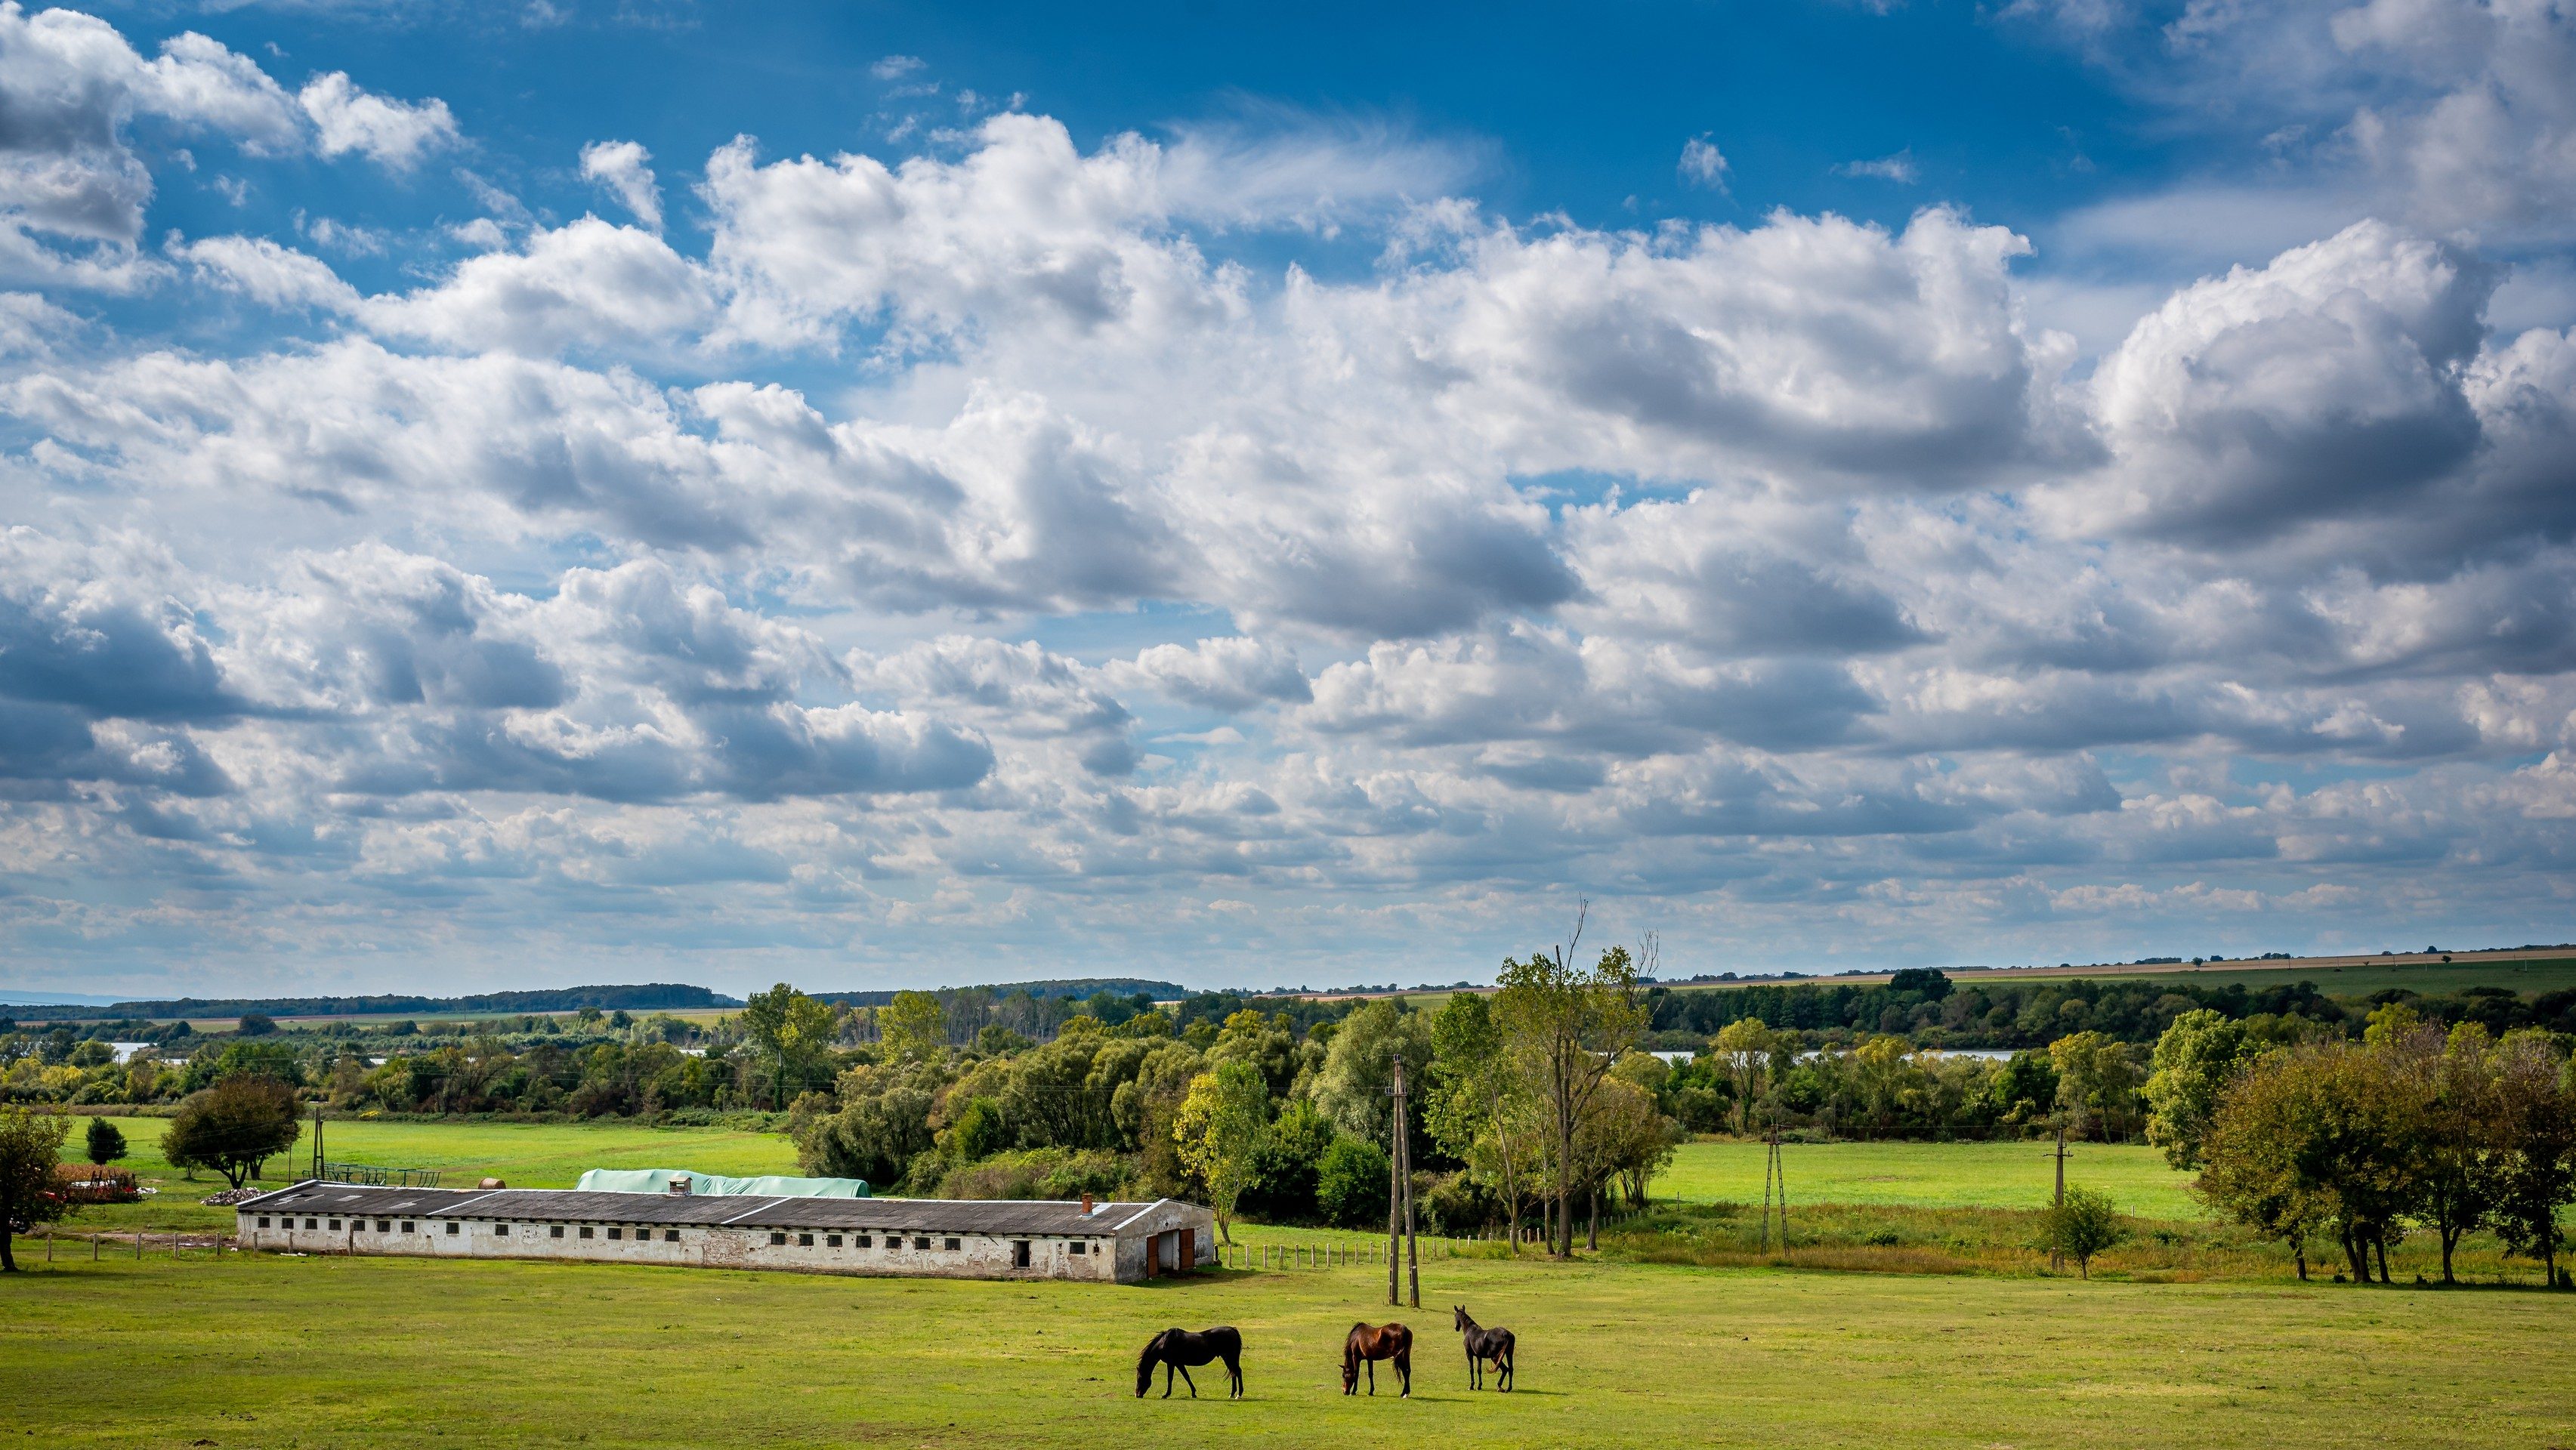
(383, 1227)
(670, 1236)
(615, 1233)
(921, 1243)
(585, 1230)
(832, 1241)
(263, 1220)
(452, 1229)
(554, 1230)
(409, 1226)
(1075, 1247)
(778, 1238)
(500, 1230)
(952, 1246)
(308, 1223)
(335, 1224)
(864, 1241)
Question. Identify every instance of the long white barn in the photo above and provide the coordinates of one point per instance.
(945, 1238)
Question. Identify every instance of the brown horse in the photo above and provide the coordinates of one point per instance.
(1370, 1343)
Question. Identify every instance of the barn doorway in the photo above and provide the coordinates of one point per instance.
(1020, 1254)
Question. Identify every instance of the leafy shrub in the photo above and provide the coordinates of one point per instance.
(1456, 1205)
(1285, 1190)
(1053, 1173)
(1351, 1183)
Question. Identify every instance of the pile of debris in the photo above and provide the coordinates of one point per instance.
(231, 1196)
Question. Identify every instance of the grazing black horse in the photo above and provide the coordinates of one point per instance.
(1367, 1345)
(1178, 1349)
(1484, 1344)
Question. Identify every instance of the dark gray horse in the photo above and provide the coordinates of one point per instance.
(1178, 1349)
(1484, 1344)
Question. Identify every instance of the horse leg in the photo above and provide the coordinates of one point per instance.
(1193, 1384)
(1404, 1372)
(1505, 1364)
(1167, 1379)
(1234, 1377)
(1372, 1369)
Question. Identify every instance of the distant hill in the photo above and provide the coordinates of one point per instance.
(655, 996)
(1066, 987)
(14, 997)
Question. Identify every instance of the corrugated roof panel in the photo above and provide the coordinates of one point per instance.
(355, 1200)
(857, 1215)
(935, 1215)
(564, 1205)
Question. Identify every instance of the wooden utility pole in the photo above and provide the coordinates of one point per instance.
(1774, 1174)
(318, 1160)
(2057, 1260)
(1395, 1187)
(1404, 1152)
(1400, 1244)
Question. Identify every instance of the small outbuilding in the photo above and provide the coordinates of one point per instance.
(920, 1237)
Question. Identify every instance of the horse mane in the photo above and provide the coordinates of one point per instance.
(1145, 1358)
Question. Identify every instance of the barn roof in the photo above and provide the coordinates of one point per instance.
(856, 1215)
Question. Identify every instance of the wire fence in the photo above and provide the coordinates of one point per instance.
(377, 1177)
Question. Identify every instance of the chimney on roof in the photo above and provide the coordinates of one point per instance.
(679, 1185)
(1086, 1205)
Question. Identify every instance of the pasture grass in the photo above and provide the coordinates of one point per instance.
(525, 1155)
(251, 1350)
(2014, 1174)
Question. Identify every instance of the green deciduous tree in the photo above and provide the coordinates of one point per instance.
(793, 1034)
(2097, 1082)
(2322, 1132)
(2081, 1226)
(2194, 1061)
(1351, 1183)
(1478, 1108)
(1219, 1132)
(1353, 1089)
(881, 1125)
(2534, 1134)
(913, 1024)
(104, 1143)
(31, 1147)
(1744, 1049)
(1565, 1027)
(233, 1127)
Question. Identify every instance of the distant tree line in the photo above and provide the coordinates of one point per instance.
(1929, 1009)
(661, 996)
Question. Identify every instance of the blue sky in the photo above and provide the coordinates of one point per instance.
(864, 495)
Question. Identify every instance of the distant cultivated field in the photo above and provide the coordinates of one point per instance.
(2363, 978)
(279, 1352)
(1930, 1175)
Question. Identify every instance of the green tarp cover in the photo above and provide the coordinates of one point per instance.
(658, 1180)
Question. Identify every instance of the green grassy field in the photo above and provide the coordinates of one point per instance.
(526, 1155)
(1930, 1175)
(279, 1352)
